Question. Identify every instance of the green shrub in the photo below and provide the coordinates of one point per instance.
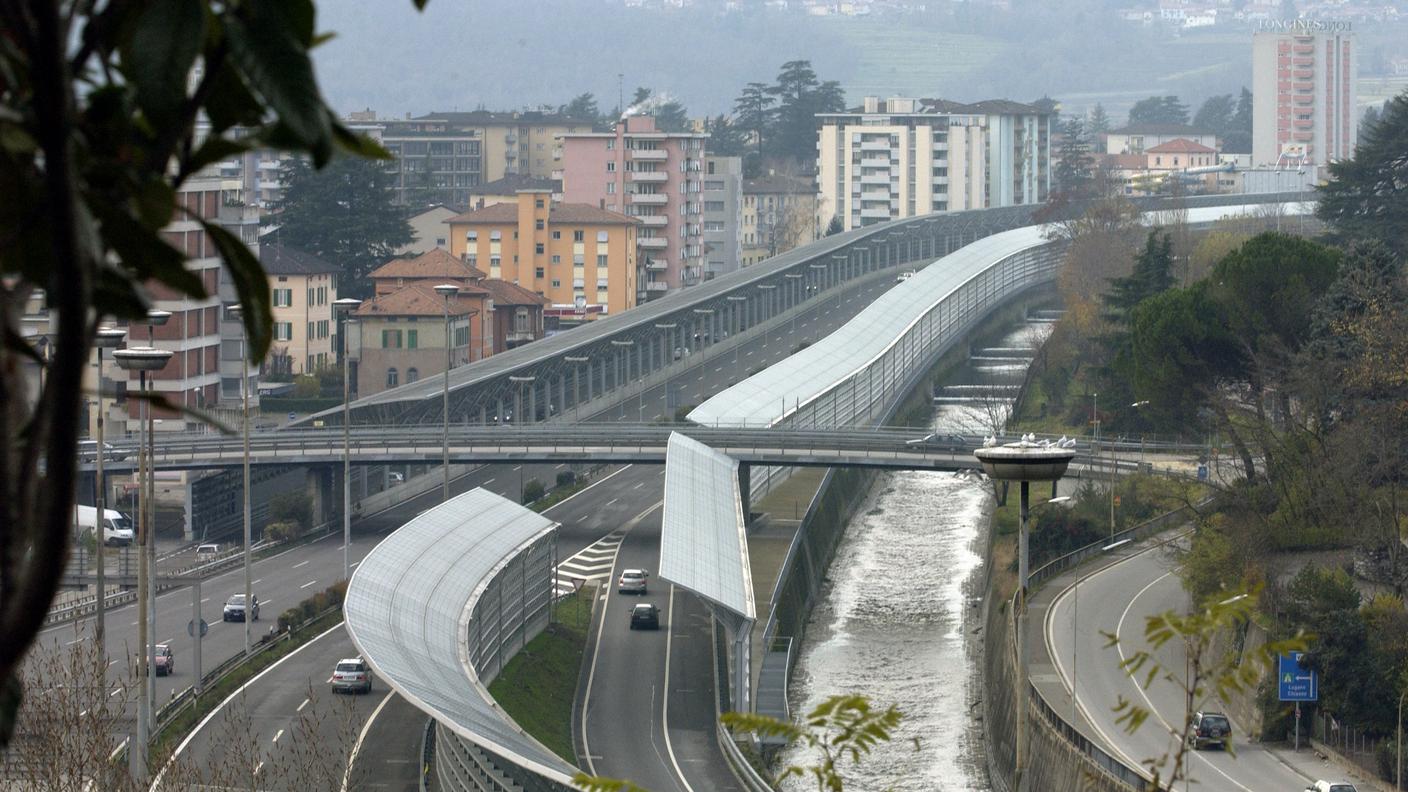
(306, 386)
(292, 507)
(566, 478)
(289, 619)
(533, 490)
(281, 531)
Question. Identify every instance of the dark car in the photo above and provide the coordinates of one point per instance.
(235, 610)
(645, 617)
(1210, 728)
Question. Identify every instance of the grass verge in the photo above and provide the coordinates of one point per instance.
(539, 685)
(178, 727)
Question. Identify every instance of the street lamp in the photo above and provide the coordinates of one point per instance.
(1024, 461)
(707, 337)
(155, 319)
(448, 291)
(237, 311)
(577, 382)
(343, 307)
(142, 360)
(106, 338)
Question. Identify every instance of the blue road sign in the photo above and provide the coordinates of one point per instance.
(1295, 682)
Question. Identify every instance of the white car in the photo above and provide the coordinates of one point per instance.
(1331, 786)
(351, 675)
(632, 581)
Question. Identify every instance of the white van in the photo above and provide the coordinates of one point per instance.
(117, 527)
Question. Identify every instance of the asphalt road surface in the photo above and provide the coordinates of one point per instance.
(271, 702)
(1117, 600)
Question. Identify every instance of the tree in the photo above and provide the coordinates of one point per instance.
(800, 96)
(1368, 121)
(582, 106)
(1159, 110)
(1216, 115)
(1153, 274)
(101, 105)
(671, 116)
(342, 213)
(1238, 137)
(640, 97)
(1099, 122)
(725, 138)
(754, 111)
(1074, 171)
(1364, 198)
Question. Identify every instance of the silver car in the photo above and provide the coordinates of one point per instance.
(351, 675)
(632, 581)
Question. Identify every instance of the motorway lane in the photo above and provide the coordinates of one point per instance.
(1118, 599)
(585, 518)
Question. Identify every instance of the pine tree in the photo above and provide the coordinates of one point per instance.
(754, 111)
(1364, 198)
(342, 214)
(800, 96)
(1152, 274)
(1099, 123)
(1074, 171)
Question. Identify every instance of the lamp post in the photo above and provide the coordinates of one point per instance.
(106, 338)
(155, 318)
(343, 307)
(449, 291)
(708, 315)
(1023, 461)
(798, 293)
(577, 382)
(142, 360)
(624, 344)
(1398, 776)
(521, 380)
(768, 287)
(237, 311)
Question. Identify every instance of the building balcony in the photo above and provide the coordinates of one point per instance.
(657, 287)
(1302, 74)
(579, 283)
(654, 155)
(653, 243)
(649, 199)
(649, 176)
(875, 178)
(654, 221)
(1304, 123)
(657, 266)
(875, 145)
(878, 213)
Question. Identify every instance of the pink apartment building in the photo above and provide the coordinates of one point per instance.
(656, 176)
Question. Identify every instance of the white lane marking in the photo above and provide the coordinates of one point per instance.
(584, 489)
(76, 640)
(362, 736)
(665, 699)
(256, 581)
(205, 599)
(258, 767)
(613, 500)
(156, 783)
(1119, 647)
(355, 563)
(309, 583)
(301, 564)
(301, 706)
(560, 467)
(517, 467)
(487, 483)
(638, 486)
(278, 734)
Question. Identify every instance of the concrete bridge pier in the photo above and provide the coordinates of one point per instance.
(324, 486)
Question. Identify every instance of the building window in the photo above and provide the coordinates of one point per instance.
(610, 144)
(539, 201)
(579, 235)
(601, 236)
(283, 298)
(412, 342)
(538, 272)
(556, 259)
(611, 167)
(471, 235)
(471, 259)
(713, 206)
(520, 321)
(310, 335)
(390, 339)
(538, 248)
(556, 284)
(610, 188)
(538, 224)
(557, 235)
(494, 261)
(392, 378)
(495, 235)
(461, 336)
(412, 374)
(283, 331)
(601, 259)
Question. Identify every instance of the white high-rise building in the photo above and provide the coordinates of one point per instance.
(1304, 79)
(898, 157)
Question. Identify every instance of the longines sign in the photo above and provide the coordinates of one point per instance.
(1306, 25)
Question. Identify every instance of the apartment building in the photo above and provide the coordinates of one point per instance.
(723, 214)
(1138, 138)
(505, 190)
(403, 335)
(432, 268)
(1304, 82)
(779, 213)
(428, 229)
(302, 288)
(902, 157)
(654, 177)
(578, 256)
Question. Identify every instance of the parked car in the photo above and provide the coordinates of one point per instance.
(632, 581)
(1331, 786)
(351, 675)
(235, 610)
(645, 617)
(164, 660)
(117, 527)
(1210, 728)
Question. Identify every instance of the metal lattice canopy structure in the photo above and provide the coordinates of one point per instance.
(779, 391)
(409, 608)
(703, 545)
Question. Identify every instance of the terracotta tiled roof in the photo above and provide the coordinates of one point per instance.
(559, 213)
(509, 293)
(436, 263)
(1180, 146)
(280, 260)
(419, 300)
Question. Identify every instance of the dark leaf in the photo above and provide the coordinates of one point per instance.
(144, 253)
(158, 56)
(264, 44)
(230, 103)
(360, 145)
(155, 202)
(300, 18)
(116, 295)
(250, 284)
(420, 4)
(11, 694)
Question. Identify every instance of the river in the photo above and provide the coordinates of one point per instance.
(897, 618)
